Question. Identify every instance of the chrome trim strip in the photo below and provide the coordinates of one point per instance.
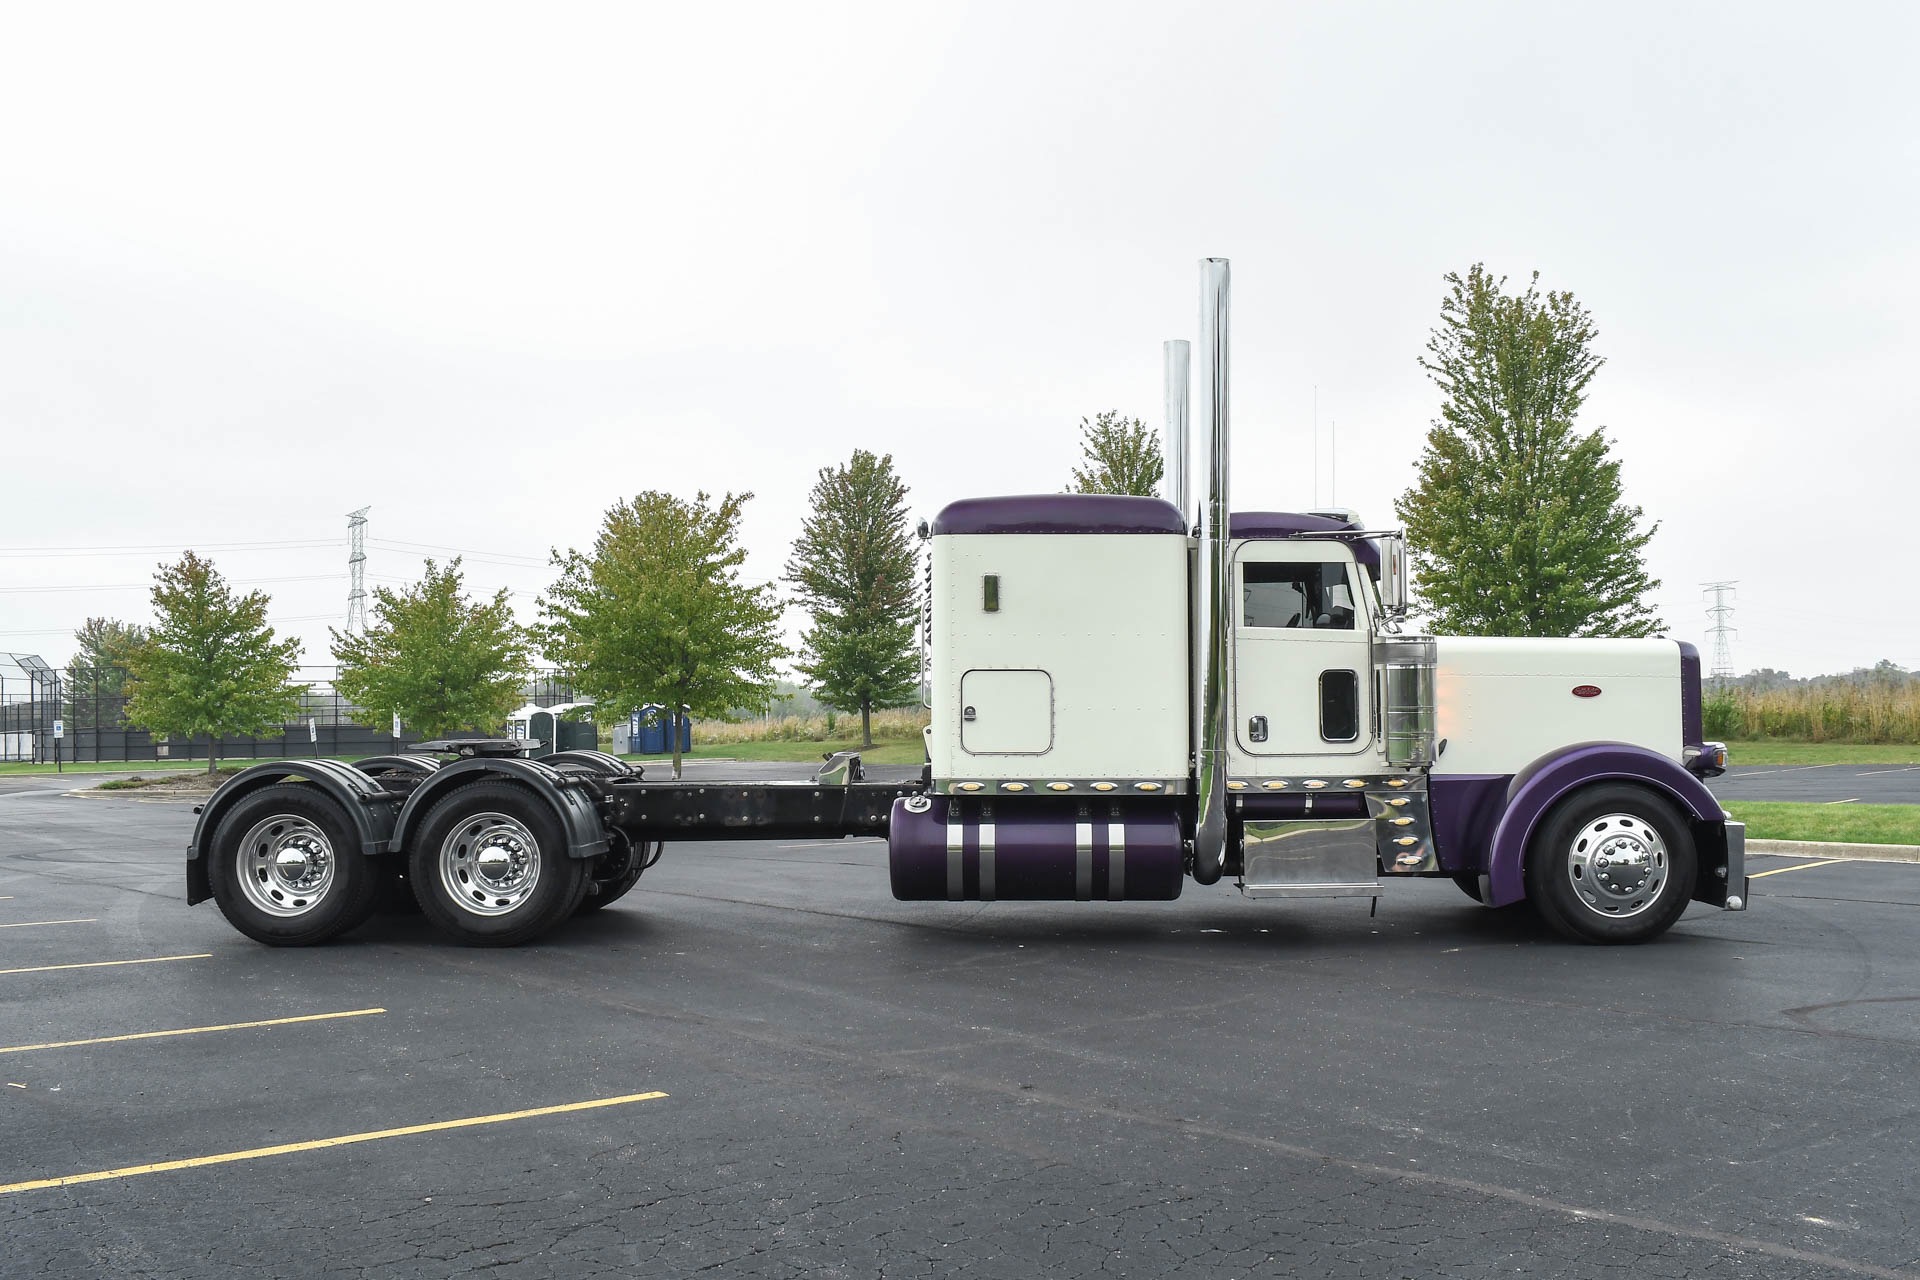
(956, 866)
(1042, 785)
(1116, 861)
(986, 862)
(1083, 862)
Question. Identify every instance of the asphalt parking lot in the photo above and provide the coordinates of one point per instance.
(1821, 783)
(759, 1064)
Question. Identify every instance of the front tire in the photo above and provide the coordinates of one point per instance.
(1613, 863)
(286, 868)
(490, 866)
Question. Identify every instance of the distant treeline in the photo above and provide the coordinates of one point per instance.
(1870, 704)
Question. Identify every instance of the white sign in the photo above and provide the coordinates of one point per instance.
(59, 729)
(313, 729)
(396, 724)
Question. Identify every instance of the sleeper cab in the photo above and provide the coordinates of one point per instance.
(1059, 644)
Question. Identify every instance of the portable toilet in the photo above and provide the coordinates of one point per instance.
(549, 727)
(650, 733)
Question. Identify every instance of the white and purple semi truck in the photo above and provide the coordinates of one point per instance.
(1126, 693)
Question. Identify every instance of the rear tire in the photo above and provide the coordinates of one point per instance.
(490, 866)
(1613, 863)
(286, 867)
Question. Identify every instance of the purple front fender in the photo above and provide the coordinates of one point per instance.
(1536, 789)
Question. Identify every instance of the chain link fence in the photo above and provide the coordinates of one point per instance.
(92, 704)
(29, 706)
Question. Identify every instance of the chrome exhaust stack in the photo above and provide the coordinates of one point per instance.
(1212, 595)
(1175, 446)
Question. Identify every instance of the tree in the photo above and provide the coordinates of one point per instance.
(1516, 521)
(434, 657)
(1118, 455)
(853, 571)
(658, 613)
(97, 673)
(211, 665)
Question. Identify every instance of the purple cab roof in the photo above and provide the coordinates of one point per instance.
(1117, 513)
(1287, 524)
(1059, 513)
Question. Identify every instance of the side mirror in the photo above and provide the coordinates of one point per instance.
(1393, 575)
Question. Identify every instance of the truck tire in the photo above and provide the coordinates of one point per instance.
(1612, 863)
(490, 866)
(286, 868)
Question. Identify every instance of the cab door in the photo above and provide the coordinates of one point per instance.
(1302, 653)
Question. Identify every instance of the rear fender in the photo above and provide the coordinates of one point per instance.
(367, 805)
(1558, 774)
(574, 807)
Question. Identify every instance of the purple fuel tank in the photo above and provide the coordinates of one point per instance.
(1028, 849)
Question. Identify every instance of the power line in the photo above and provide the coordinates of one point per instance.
(396, 544)
(53, 553)
(142, 586)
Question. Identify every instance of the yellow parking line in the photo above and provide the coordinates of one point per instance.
(189, 1031)
(35, 924)
(1783, 870)
(321, 1144)
(105, 964)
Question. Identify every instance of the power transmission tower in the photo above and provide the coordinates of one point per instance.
(1720, 611)
(357, 568)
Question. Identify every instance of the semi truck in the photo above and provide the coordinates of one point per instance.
(1126, 694)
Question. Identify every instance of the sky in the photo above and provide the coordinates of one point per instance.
(489, 269)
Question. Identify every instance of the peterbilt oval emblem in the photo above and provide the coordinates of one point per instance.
(1586, 691)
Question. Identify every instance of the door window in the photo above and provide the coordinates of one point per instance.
(1316, 596)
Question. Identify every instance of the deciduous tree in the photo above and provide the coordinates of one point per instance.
(1517, 522)
(96, 682)
(657, 612)
(435, 657)
(1118, 455)
(211, 664)
(853, 571)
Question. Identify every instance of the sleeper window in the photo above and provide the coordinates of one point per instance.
(1296, 595)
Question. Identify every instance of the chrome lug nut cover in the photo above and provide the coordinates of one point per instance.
(1617, 865)
(489, 864)
(284, 865)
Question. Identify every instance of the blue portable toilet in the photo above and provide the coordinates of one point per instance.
(650, 734)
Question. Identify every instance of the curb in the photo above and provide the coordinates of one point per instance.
(1850, 852)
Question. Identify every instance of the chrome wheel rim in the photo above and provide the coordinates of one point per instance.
(1617, 865)
(285, 865)
(489, 864)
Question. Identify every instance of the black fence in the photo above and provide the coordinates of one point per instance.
(91, 706)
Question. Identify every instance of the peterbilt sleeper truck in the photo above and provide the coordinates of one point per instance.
(1126, 694)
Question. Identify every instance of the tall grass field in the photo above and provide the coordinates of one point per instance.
(899, 724)
(1858, 713)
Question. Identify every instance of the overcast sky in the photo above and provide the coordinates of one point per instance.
(488, 270)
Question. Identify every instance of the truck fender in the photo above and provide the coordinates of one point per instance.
(586, 836)
(367, 804)
(1542, 784)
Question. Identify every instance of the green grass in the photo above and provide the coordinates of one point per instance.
(1790, 753)
(810, 752)
(1837, 823)
(10, 768)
